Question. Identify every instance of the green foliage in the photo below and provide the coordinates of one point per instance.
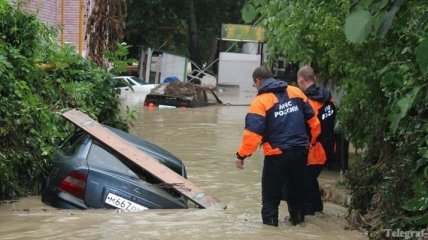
(374, 17)
(419, 204)
(358, 26)
(249, 13)
(143, 25)
(32, 98)
(150, 23)
(422, 56)
(105, 27)
(404, 104)
(375, 53)
(209, 23)
(119, 58)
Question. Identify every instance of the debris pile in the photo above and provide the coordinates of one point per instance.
(178, 89)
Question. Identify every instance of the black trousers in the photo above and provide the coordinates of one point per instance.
(287, 168)
(312, 201)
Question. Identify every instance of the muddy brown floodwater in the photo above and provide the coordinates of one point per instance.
(206, 139)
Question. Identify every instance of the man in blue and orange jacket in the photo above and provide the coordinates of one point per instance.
(323, 150)
(277, 120)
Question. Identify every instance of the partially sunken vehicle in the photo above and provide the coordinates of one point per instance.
(181, 94)
(87, 174)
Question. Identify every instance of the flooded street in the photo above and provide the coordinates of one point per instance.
(206, 140)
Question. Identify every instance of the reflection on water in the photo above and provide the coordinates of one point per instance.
(206, 140)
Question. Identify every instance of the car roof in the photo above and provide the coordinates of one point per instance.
(134, 79)
(123, 76)
(161, 154)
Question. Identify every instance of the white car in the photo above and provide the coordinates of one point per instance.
(132, 83)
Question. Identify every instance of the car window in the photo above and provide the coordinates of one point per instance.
(72, 143)
(120, 82)
(138, 80)
(100, 158)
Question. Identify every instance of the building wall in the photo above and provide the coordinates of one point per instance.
(46, 10)
(50, 12)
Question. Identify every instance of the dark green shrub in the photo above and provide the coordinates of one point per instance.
(377, 54)
(32, 98)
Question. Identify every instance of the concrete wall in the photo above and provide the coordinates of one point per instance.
(237, 69)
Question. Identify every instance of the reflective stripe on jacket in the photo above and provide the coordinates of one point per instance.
(277, 118)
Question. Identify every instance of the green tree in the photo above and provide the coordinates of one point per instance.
(193, 25)
(105, 28)
(376, 54)
(149, 24)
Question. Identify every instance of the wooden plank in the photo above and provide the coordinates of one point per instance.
(140, 158)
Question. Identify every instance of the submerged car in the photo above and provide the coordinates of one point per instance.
(181, 94)
(87, 175)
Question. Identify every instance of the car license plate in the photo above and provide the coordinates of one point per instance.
(122, 203)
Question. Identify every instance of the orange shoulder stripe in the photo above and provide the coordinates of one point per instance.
(262, 103)
(295, 92)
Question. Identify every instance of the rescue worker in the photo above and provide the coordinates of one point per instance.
(323, 150)
(277, 120)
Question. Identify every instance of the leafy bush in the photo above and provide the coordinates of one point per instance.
(376, 53)
(39, 79)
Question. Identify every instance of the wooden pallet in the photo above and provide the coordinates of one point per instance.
(141, 159)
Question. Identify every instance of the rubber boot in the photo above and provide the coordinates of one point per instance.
(296, 217)
(319, 207)
(270, 221)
